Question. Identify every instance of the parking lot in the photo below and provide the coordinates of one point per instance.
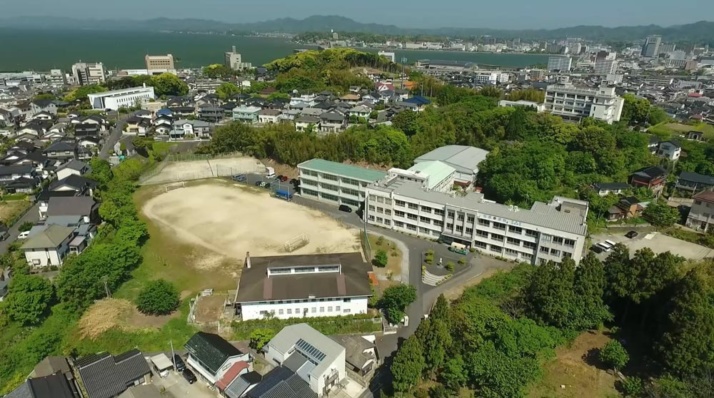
(658, 243)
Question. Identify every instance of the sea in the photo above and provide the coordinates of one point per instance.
(42, 50)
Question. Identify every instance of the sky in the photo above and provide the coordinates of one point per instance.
(509, 14)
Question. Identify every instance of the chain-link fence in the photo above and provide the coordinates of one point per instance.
(187, 167)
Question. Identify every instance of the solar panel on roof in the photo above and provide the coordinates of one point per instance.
(310, 351)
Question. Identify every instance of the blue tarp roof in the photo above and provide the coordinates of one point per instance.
(419, 100)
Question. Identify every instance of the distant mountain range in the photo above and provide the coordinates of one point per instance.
(698, 32)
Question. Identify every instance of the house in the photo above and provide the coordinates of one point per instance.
(190, 128)
(61, 150)
(695, 135)
(669, 150)
(653, 178)
(82, 130)
(351, 98)
(54, 365)
(9, 174)
(305, 123)
(282, 382)
(303, 285)
(182, 111)
(49, 247)
(75, 167)
(317, 359)
(137, 126)
(81, 185)
(625, 208)
(269, 116)
(36, 128)
(44, 116)
(360, 356)
(690, 181)
(47, 106)
(246, 114)
(234, 371)
(69, 206)
(51, 386)
(22, 185)
(419, 101)
(210, 113)
(360, 111)
(107, 376)
(88, 142)
(701, 215)
(211, 356)
(332, 122)
(240, 386)
(607, 188)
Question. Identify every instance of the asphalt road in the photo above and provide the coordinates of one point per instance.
(113, 137)
(32, 216)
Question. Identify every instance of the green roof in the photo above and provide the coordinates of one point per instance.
(343, 170)
(436, 171)
(210, 350)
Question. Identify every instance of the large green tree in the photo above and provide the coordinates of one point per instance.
(589, 290)
(168, 84)
(227, 90)
(29, 298)
(435, 339)
(158, 297)
(550, 298)
(660, 214)
(395, 300)
(408, 365)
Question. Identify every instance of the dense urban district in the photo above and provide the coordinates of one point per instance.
(340, 224)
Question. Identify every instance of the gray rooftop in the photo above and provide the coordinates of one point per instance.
(465, 159)
(287, 338)
(344, 170)
(50, 238)
(540, 214)
(69, 206)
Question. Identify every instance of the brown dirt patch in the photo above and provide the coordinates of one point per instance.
(570, 369)
(209, 308)
(110, 313)
(10, 209)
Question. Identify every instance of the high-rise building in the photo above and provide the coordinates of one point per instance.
(561, 64)
(575, 103)
(651, 47)
(88, 73)
(665, 48)
(605, 67)
(156, 64)
(234, 60)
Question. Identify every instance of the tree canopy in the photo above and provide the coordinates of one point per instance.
(158, 297)
(395, 299)
(29, 298)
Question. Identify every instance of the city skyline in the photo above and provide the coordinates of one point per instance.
(548, 14)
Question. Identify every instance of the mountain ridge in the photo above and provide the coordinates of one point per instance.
(697, 32)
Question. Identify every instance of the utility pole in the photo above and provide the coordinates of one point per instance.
(106, 287)
(173, 355)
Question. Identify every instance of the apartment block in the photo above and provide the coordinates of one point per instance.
(575, 103)
(560, 63)
(551, 231)
(701, 215)
(121, 98)
(604, 67)
(88, 73)
(156, 64)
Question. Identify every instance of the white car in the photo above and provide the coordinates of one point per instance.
(23, 235)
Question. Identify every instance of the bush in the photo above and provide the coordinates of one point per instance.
(632, 387)
(380, 241)
(26, 226)
(260, 337)
(380, 259)
(158, 297)
(450, 266)
(462, 261)
(614, 355)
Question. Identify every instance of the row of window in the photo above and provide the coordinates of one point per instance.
(555, 252)
(289, 311)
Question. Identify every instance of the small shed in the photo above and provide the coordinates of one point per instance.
(162, 364)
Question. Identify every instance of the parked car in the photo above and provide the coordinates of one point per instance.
(345, 208)
(596, 249)
(259, 183)
(283, 178)
(279, 177)
(189, 376)
(631, 234)
(240, 178)
(178, 363)
(3, 232)
(267, 185)
(23, 235)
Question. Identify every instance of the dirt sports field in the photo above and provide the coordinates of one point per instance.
(199, 169)
(230, 220)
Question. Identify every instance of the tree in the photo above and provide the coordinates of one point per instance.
(168, 84)
(440, 310)
(380, 259)
(435, 339)
(549, 296)
(660, 214)
(81, 93)
(614, 355)
(408, 365)
(260, 337)
(589, 289)
(227, 90)
(29, 298)
(158, 297)
(395, 299)
(454, 375)
(214, 71)
(26, 226)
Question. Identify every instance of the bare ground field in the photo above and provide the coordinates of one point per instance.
(110, 313)
(570, 375)
(198, 169)
(10, 209)
(231, 220)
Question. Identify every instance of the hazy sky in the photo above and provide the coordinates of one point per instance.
(508, 14)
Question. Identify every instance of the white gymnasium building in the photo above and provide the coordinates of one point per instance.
(121, 98)
(300, 286)
(544, 232)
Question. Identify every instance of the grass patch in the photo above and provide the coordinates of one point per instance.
(160, 148)
(668, 130)
(394, 255)
(360, 323)
(12, 209)
(691, 236)
(118, 339)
